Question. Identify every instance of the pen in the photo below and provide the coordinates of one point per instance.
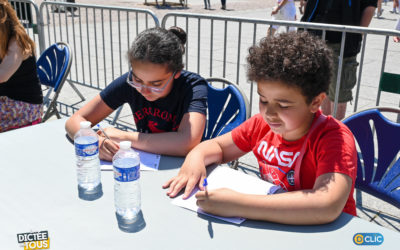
(104, 132)
(205, 184)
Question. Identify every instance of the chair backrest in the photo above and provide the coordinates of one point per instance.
(378, 140)
(388, 82)
(54, 64)
(227, 108)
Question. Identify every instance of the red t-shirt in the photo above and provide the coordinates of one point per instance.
(330, 149)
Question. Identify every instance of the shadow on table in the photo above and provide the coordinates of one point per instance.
(170, 162)
(337, 224)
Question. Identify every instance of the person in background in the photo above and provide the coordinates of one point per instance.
(207, 4)
(223, 4)
(344, 12)
(311, 158)
(285, 10)
(168, 103)
(396, 9)
(397, 38)
(21, 98)
(379, 10)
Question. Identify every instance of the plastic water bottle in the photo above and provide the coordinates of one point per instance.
(126, 166)
(88, 163)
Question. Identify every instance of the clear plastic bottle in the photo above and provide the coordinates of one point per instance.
(126, 164)
(86, 144)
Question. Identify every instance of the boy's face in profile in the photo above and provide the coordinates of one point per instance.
(285, 109)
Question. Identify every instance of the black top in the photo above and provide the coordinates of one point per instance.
(343, 12)
(188, 94)
(24, 85)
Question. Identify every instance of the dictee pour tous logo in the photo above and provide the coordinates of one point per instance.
(34, 240)
(368, 239)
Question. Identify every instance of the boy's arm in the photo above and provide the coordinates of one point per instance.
(193, 171)
(322, 204)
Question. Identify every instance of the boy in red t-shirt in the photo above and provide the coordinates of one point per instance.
(292, 72)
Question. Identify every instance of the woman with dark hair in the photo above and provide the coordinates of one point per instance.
(168, 103)
(21, 99)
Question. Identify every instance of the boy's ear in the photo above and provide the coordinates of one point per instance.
(177, 74)
(317, 101)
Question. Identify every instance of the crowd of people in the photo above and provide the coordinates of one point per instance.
(309, 155)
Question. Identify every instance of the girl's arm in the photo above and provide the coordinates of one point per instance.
(171, 143)
(94, 111)
(177, 143)
(11, 61)
(322, 204)
(218, 150)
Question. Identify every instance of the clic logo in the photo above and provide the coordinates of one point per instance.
(34, 240)
(368, 239)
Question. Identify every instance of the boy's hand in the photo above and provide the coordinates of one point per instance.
(221, 202)
(191, 173)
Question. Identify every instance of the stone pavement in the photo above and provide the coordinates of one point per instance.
(388, 215)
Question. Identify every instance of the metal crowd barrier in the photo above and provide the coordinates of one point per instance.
(28, 13)
(217, 45)
(99, 36)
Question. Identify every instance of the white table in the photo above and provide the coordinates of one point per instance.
(39, 193)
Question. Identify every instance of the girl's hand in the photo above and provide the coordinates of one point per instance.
(107, 148)
(221, 202)
(115, 134)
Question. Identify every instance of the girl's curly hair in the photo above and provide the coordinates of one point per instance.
(294, 58)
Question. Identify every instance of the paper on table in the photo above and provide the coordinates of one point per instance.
(225, 177)
(148, 161)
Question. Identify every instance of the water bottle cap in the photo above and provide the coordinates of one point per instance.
(125, 144)
(85, 124)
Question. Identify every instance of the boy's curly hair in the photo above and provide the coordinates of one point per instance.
(294, 58)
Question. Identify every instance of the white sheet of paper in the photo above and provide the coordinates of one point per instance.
(148, 161)
(225, 177)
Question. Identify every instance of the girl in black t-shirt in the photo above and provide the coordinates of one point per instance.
(168, 103)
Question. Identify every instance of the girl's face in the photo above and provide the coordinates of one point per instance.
(285, 110)
(153, 81)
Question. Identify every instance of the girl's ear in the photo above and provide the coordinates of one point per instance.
(316, 102)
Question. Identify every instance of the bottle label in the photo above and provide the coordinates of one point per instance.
(126, 174)
(87, 149)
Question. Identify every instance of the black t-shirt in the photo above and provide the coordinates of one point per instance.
(24, 84)
(342, 12)
(188, 94)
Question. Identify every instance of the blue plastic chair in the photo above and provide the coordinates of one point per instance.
(53, 68)
(227, 108)
(378, 173)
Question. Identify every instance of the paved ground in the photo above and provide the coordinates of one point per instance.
(389, 215)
